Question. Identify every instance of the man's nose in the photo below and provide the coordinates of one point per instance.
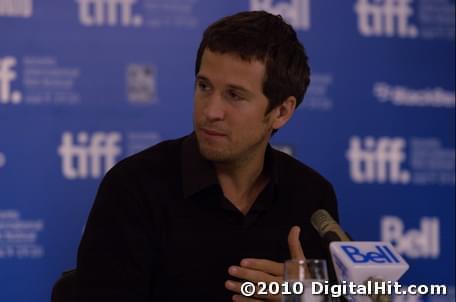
(214, 108)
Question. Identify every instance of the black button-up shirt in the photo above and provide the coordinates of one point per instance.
(161, 229)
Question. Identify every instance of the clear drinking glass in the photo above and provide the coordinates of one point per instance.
(300, 274)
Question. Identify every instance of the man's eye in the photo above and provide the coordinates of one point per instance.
(203, 86)
(234, 96)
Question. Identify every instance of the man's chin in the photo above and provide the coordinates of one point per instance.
(213, 154)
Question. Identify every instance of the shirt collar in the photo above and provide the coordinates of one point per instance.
(199, 173)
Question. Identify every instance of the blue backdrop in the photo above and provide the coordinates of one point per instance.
(85, 83)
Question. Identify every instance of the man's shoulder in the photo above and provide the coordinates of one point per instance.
(158, 159)
(296, 171)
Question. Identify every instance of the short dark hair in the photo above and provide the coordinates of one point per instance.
(268, 38)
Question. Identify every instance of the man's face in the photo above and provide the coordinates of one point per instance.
(229, 110)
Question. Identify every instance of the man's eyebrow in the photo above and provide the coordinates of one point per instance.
(203, 78)
(240, 88)
(232, 86)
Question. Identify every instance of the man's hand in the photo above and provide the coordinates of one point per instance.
(255, 270)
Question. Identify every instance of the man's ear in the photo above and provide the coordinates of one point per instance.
(283, 112)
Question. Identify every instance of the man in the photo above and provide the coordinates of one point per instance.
(192, 218)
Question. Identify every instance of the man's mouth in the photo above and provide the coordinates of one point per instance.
(212, 132)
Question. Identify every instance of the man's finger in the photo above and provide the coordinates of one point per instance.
(294, 244)
(265, 265)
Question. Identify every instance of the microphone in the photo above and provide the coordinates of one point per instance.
(359, 262)
(327, 227)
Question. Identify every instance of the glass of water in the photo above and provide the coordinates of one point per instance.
(299, 275)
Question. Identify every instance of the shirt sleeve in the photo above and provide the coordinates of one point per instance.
(115, 253)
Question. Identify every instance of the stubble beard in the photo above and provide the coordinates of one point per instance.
(229, 155)
(214, 154)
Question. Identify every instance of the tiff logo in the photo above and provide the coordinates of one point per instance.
(296, 12)
(414, 243)
(388, 18)
(85, 156)
(377, 161)
(108, 12)
(7, 76)
(16, 8)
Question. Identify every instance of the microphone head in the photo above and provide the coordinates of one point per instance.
(327, 227)
(321, 220)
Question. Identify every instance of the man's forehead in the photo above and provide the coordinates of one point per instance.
(231, 68)
(237, 55)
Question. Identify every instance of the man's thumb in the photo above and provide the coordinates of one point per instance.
(294, 244)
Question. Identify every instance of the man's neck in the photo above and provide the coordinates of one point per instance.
(242, 181)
